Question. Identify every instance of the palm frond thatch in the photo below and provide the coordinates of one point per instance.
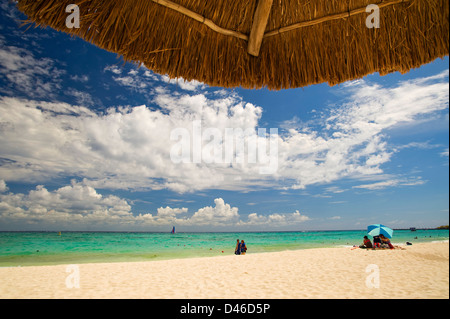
(302, 42)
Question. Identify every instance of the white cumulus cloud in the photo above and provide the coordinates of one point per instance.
(130, 147)
(77, 206)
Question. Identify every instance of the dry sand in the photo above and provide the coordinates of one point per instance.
(418, 271)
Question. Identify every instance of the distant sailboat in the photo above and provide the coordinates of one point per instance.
(173, 230)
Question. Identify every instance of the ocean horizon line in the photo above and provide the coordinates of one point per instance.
(204, 232)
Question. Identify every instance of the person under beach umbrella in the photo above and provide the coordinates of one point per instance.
(257, 43)
(378, 229)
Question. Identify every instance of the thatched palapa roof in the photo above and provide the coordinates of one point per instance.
(258, 43)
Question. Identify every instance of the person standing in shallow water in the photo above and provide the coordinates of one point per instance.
(243, 247)
(237, 250)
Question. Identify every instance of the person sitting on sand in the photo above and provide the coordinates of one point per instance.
(366, 243)
(376, 242)
(237, 250)
(243, 247)
(386, 241)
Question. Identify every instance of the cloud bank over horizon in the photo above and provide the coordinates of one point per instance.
(80, 207)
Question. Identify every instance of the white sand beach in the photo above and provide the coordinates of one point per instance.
(417, 271)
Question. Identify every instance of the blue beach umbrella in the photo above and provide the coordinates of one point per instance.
(378, 229)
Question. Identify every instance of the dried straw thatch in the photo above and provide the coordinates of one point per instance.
(302, 42)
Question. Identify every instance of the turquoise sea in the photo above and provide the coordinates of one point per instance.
(49, 248)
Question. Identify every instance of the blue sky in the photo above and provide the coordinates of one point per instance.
(85, 144)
